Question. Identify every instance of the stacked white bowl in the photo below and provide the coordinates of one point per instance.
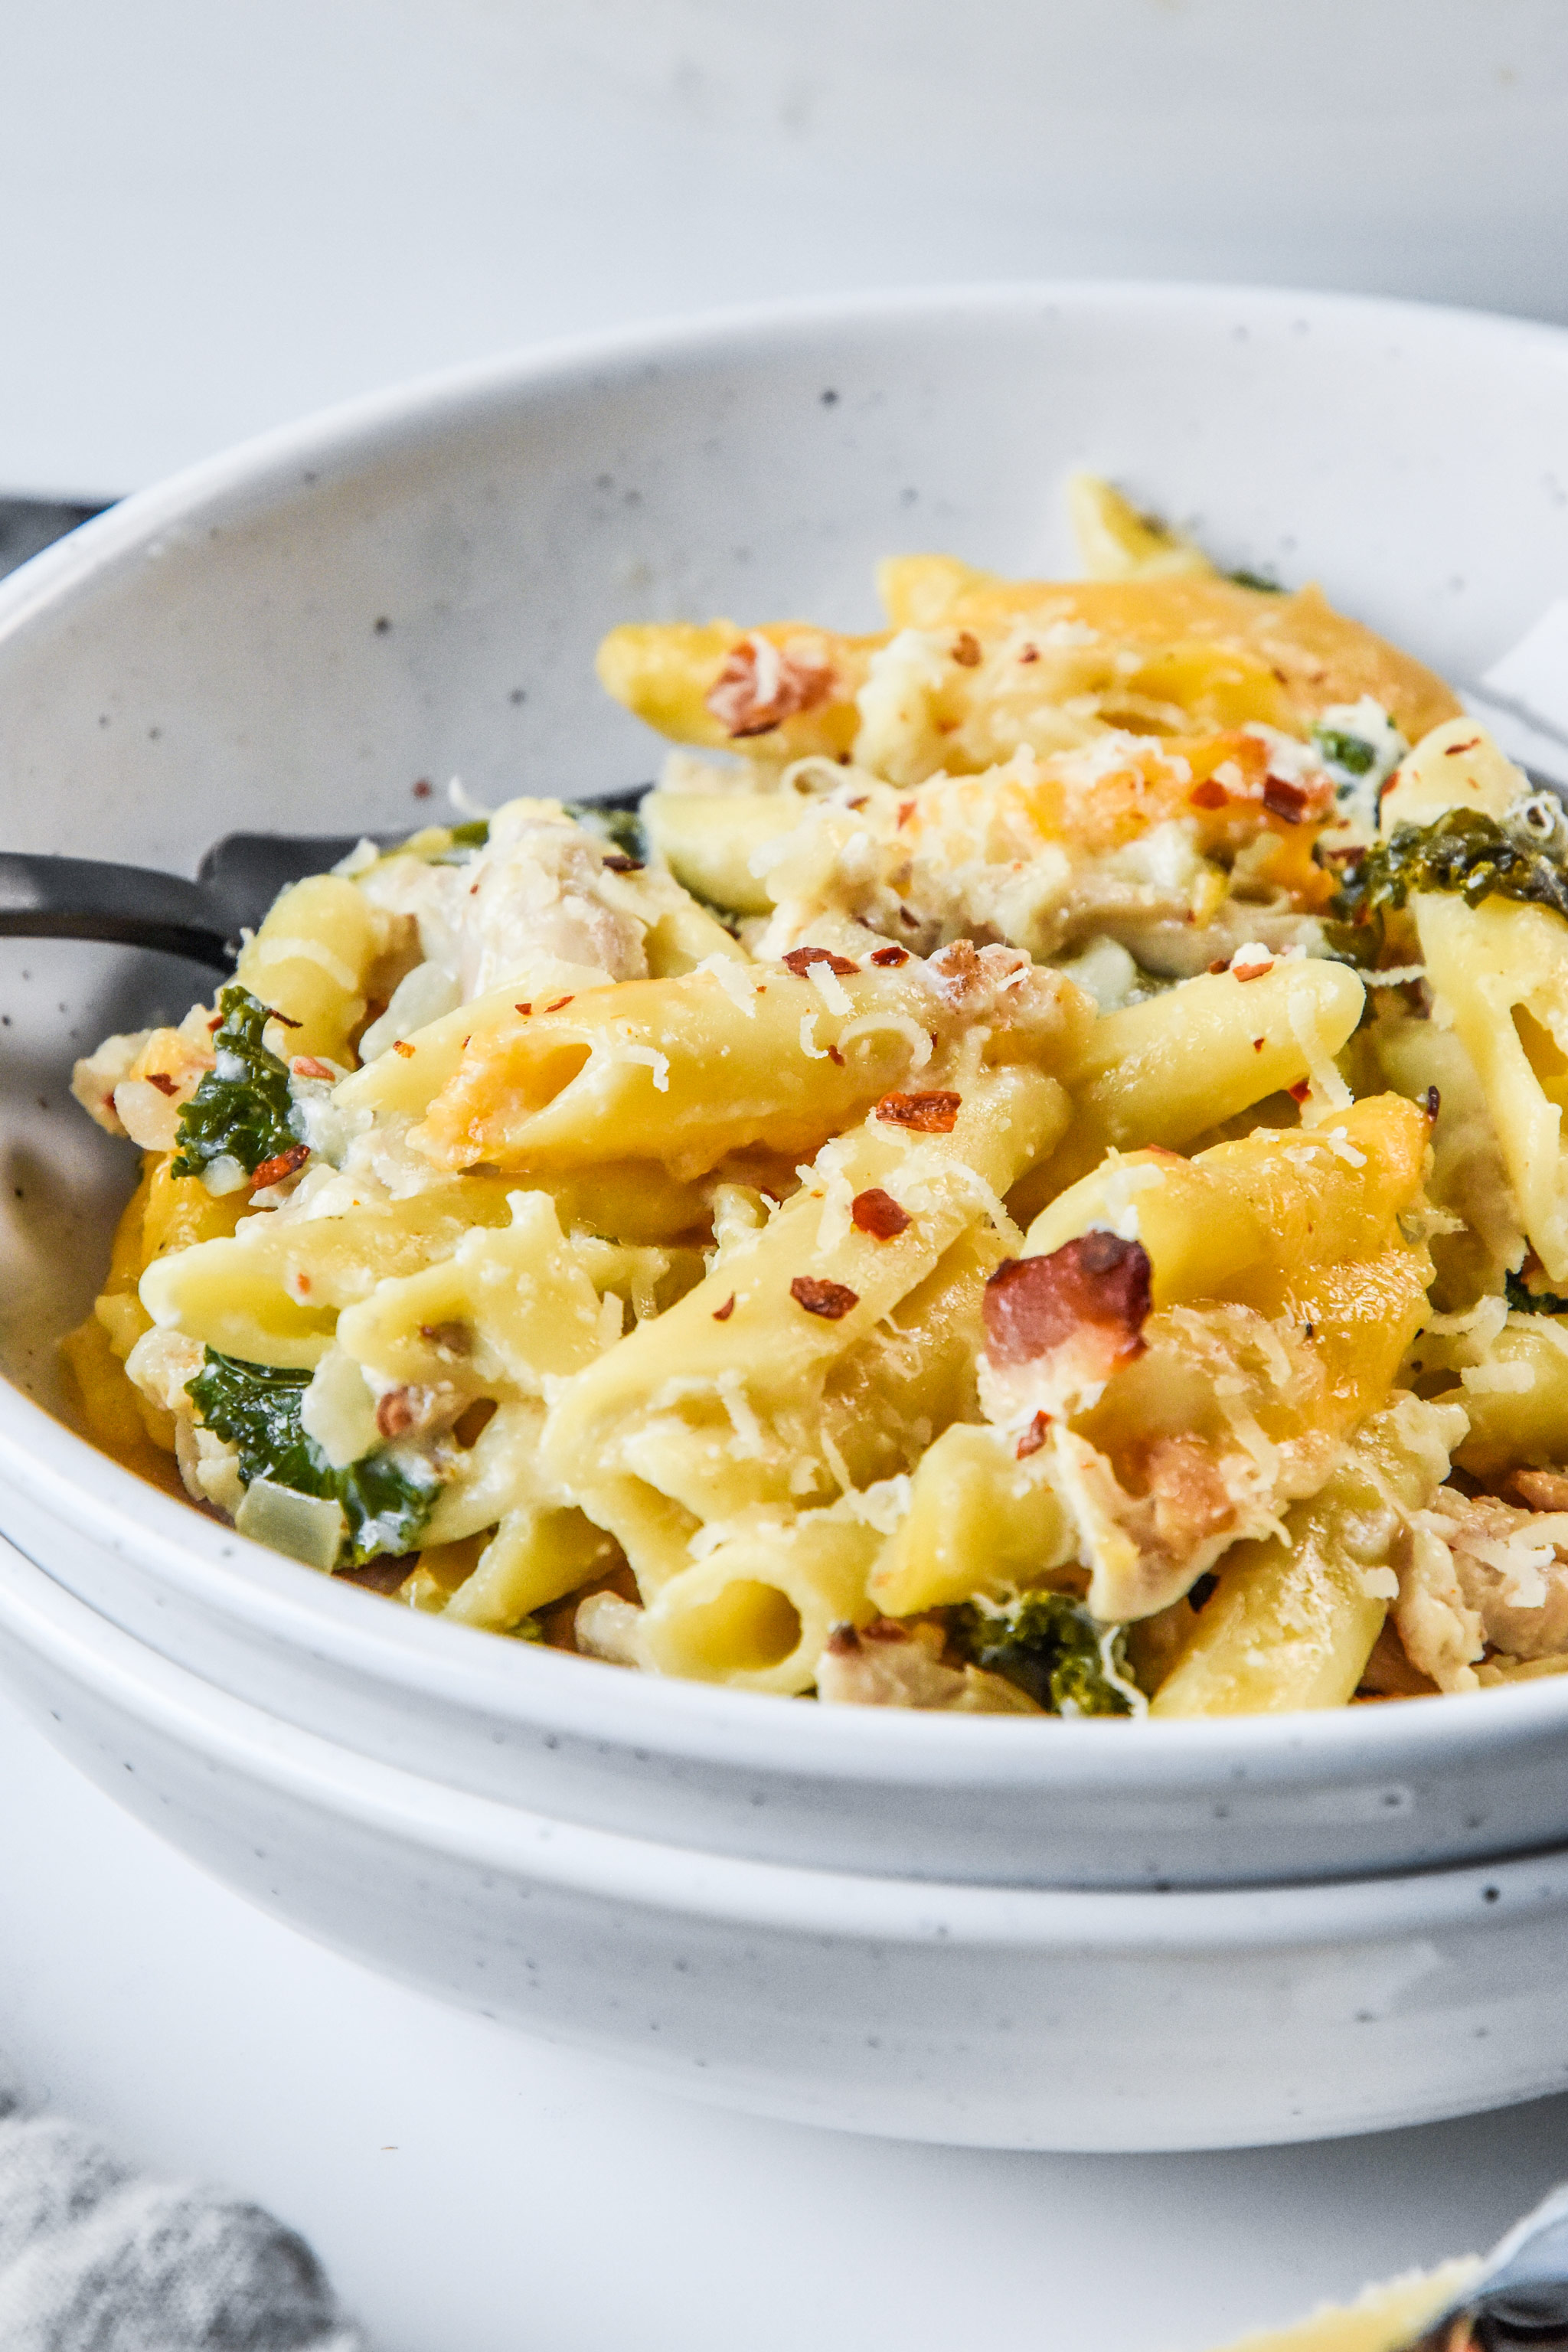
(1075, 1935)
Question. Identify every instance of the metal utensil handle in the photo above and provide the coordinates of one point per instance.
(132, 906)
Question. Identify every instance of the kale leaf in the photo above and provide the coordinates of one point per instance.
(1525, 1301)
(1463, 850)
(255, 1409)
(1351, 752)
(242, 1110)
(1049, 1645)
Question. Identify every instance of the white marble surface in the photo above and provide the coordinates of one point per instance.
(470, 2189)
(217, 217)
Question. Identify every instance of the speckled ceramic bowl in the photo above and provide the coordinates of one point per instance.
(300, 634)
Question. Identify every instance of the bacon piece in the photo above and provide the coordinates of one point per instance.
(932, 1114)
(877, 1212)
(831, 1300)
(800, 960)
(1539, 1490)
(616, 863)
(1296, 803)
(891, 956)
(956, 970)
(274, 1171)
(762, 684)
(1099, 1283)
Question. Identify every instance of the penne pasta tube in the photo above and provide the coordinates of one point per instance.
(312, 960)
(756, 1611)
(979, 1521)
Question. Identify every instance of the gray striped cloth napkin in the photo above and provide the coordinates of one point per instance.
(96, 2257)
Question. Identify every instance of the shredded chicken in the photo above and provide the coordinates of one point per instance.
(889, 1664)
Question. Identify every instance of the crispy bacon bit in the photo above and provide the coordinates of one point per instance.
(1454, 750)
(1295, 803)
(448, 1339)
(762, 684)
(274, 1171)
(558, 1004)
(1300, 1090)
(877, 1212)
(1540, 1490)
(906, 811)
(831, 1300)
(1219, 964)
(401, 1046)
(161, 1080)
(956, 970)
(966, 649)
(394, 1413)
(1029, 654)
(722, 1314)
(306, 1066)
(616, 862)
(1208, 794)
(932, 1114)
(800, 960)
(1034, 1305)
(1252, 971)
(885, 1629)
(1034, 1437)
(890, 957)
(842, 1641)
(1434, 1103)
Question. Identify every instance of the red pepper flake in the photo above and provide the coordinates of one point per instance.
(302, 1285)
(800, 960)
(558, 1004)
(394, 1413)
(165, 1084)
(1029, 654)
(890, 957)
(524, 1008)
(1454, 750)
(1433, 1102)
(1282, 799)
(932, 1114)
(273, 1014)
(273, 1172)
(966, 649)
(1208, 795)
(1034, 1305)
(216, 1021)
(835, 1056)
(1220, 963)
(831, 1300)
(1300, 1090)
(877, 1212)
(401, 1046)
(859, 802)
(307, 1066)
(1252, 971)
(1034, 1437)
(905, 917)
(906, 811)
(466, 1043)
(761, 684)
(617, 863)
(722, 1314)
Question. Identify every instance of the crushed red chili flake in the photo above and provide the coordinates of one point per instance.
(722, 1314)
(424, 788)
(1208, 794)
(273, 1172)
(1284, 799)
(165, 1084)
(558, 1004)
(216, 1021)
(1252, 971)
(800, 960)
(932, 1114)
(394, 1413)
(1219, 964)
(905, 917)
(401, 1046)
(1454, 750)
(906, 811)
(843, 1641)
(1029, 654)
(835, 1056)
(966, 649)
(1300, 1090)
(831, 1300)
(885, 1629)
(877, 1212)
(1034, 1305)
(525, 1008)
(617, 863)
(1257, 1045)
(1034, 1437)
(857, 801)
(761, 684)
(307, 1066)
(891, 956)
(1433, 1102)
(302, 1285)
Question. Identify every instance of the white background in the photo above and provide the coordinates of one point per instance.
(217, 213)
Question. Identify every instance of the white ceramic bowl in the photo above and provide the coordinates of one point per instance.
(213, 655)
(927, 2011)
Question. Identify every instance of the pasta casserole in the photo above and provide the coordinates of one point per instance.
(1027, 1179)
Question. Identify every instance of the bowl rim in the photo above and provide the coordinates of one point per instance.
(170, 1703)
(276, 1599)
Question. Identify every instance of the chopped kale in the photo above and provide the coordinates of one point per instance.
(1351, 752)
(1464, 850)
(473, 835)
(621, 827)
(1525, 1301)
(256, 1408)
(1049, 1645)
(242, 1110)
(1259, 580)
